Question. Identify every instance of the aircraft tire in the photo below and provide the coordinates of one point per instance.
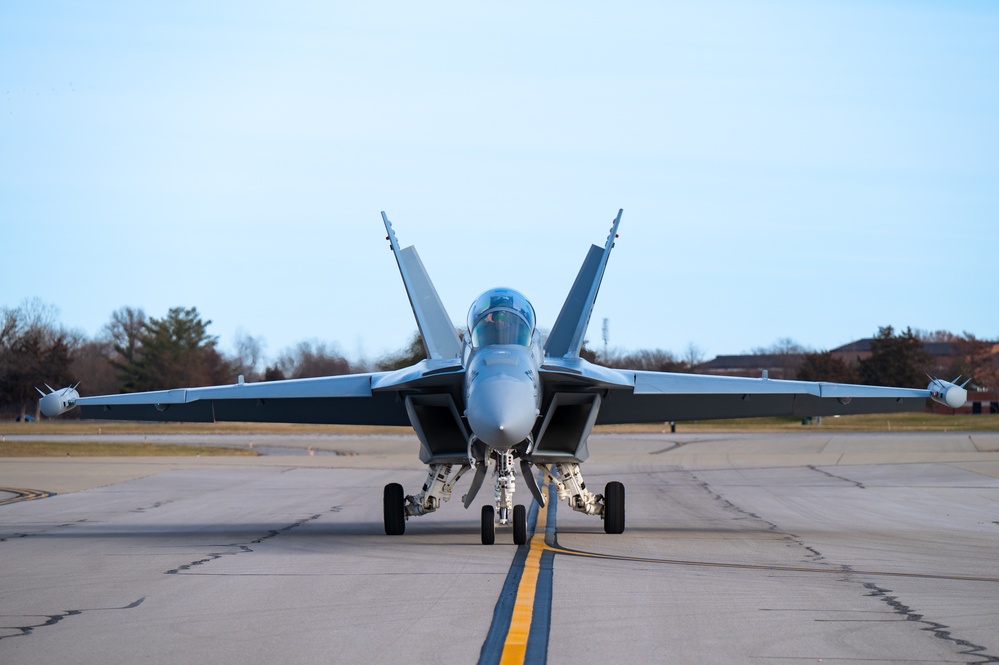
(394, 505)
(488, 525)
(519, 525)
(614, 507)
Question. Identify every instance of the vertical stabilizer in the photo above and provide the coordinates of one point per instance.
(566, 338)
(439, 336)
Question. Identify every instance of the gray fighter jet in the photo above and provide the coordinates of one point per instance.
(499, 396)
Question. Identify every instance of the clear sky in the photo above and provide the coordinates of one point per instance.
(810, 170)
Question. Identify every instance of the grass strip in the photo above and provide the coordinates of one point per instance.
(897, 422)
(100, 449)
(65, 425)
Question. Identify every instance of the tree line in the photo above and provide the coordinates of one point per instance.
(137, 352)
(900, 359)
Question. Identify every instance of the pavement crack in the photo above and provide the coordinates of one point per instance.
(155, 505)
(243, 548)
(728, 505)
(938, 630)
(792, 539)
(833, 475)
(46, 620)
(11, 536)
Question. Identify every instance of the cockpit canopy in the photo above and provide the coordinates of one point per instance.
(501, 316)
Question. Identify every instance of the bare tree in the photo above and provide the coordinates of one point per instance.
(693, 355)
(413, 353)
(91, 363)
(936, 336)
(978, 361)
(249, 352)
(786, 354)
(655, 360)
(34, 351)
(311, 358)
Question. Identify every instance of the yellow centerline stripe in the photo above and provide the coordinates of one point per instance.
(515, 645)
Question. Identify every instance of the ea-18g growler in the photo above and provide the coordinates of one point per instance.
(500, 397)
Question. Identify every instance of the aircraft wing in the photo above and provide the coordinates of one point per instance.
(630, 396)
(353, 399)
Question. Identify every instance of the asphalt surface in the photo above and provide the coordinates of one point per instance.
(771, 548)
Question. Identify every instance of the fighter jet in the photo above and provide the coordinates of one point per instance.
(500, 396)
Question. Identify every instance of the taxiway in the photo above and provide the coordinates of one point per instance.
(855, 548)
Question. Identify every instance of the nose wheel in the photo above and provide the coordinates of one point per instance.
(519, 524)
(488, 525)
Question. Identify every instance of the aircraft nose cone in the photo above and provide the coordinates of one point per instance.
(501, 411)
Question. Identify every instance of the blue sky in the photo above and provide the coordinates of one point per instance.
(810, 170)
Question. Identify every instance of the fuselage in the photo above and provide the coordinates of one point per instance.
(502, 357)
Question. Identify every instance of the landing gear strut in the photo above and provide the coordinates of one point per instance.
(436, 490)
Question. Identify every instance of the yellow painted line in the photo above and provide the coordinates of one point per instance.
(515, 646)
(22, 495)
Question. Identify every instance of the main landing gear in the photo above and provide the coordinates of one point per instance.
(395, 510)
(566, 477)
(614, 507)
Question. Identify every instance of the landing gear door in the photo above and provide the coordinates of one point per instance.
(443, 436)
(567, 424)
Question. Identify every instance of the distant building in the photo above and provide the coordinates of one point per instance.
(777, 365)
(943, 355)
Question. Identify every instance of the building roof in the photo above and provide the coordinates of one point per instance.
(932, 348)
(751, 361)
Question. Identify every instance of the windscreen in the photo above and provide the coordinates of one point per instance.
(501, 316)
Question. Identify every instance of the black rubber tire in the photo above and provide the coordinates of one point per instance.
(488, 525)
(394, 504)
(519, 525)
(614, 507)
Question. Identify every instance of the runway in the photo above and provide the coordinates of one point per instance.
(763, 548)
